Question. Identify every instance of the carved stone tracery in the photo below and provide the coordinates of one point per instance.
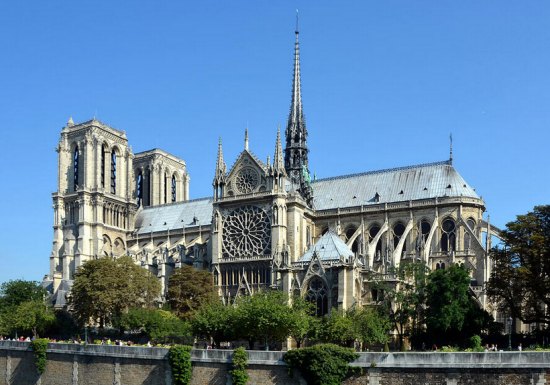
(246, 233)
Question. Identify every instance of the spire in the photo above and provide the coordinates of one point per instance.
(246, 138)
(220, 165)
(278, 163)
(296, 151)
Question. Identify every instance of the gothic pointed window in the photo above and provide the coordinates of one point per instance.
(173, 188)
(165, 200)
(467, 237)
(102, 171)
(349, 233)
(317, 294)
(398, 231)
(372, 234)
(113, 172)
(75, 169)
(139, 189)
(448, 236)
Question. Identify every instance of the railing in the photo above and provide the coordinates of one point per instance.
(439, 360)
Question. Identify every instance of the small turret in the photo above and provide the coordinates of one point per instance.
(220, 173)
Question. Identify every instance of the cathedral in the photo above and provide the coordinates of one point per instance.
(266, 224)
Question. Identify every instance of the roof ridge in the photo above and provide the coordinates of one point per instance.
(440, 163)
(178, 203)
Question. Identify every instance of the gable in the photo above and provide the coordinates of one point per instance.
(248, 175)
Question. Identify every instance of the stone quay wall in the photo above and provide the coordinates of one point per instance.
(72, 364)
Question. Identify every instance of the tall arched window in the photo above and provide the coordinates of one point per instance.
(173, 188)
(467, 237)
(165, 192)
(139, 188)
(398, 231)
(317, 294)
(113, 172)
(372, 234)
(349, 233)
(102, 172)
(75, 169)
(448, 236)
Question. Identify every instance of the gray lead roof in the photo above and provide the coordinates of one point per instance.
(193, 213)
(328, 248)
(423, 181)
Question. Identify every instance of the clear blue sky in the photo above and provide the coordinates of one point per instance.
(384, 83)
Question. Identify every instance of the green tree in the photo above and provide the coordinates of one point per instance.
(158, 325)
(214, 320)
(105, 288)
(264, 316)
(22, 307)
(302, 322)
(34, 316)
(406, 300)
(372, 326)
(188, 289)
(452, 314)
(338, 327)
(520, 279)
(15, 292)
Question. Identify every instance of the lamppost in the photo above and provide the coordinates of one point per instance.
(510, 333)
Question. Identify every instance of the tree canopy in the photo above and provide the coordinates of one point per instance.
(452, 315)
(520, 279)
(23, 308)
(104, 288)
(13, 293)
(188, 289)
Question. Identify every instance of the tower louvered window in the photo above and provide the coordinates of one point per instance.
(102, 166)
(75, 169)
(113, 172)
(139, 189)
(173, 188)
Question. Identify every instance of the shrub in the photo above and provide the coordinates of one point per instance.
(475, 343)
(240, 361)
(179, 357)
(324, 364)
(39, 347)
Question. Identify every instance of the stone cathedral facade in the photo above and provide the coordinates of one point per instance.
(267, 224)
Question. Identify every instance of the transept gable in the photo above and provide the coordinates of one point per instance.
(247, 175)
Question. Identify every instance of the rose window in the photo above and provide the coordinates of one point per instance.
(246, 233)
(247, 180)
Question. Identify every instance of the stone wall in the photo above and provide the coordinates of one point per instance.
(71, 364)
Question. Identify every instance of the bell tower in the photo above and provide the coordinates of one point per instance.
(93, 206)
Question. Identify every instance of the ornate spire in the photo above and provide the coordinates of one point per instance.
(246, 138)
(278, 163)
(221, 168)
(296, 151)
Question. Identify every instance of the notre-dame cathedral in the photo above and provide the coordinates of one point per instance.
(266, 225)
